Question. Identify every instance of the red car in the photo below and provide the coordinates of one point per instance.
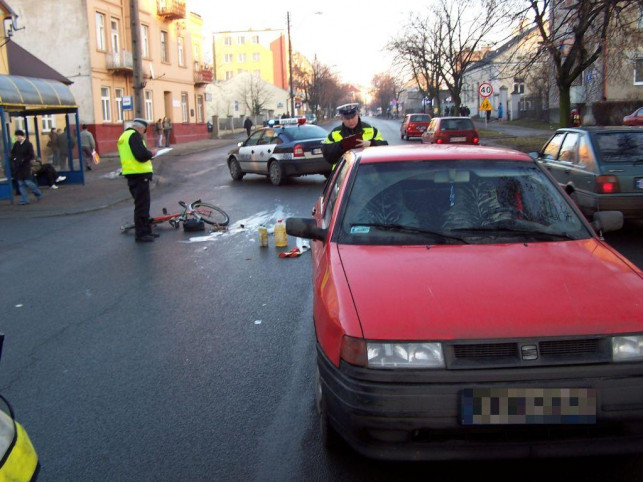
(414, 125)
(634, 119)
(464, 308)
(451, 130)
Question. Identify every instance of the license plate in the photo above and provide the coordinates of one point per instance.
(458, 139)
(638, 182)
(421, 128)
(317, 151)
(525, 406)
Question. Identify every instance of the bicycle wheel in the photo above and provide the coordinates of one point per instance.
(211, 214)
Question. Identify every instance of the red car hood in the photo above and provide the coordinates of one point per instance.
(492, 291)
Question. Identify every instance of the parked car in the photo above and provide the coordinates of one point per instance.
(414, 125)
(464, 308)
(600, 167)
(311, 118)
(451, 130)
(635, 118)
(290, 147)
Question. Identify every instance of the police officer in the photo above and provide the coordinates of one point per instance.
(333, 148)
(136, 163)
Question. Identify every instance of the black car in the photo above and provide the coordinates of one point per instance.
(290, 148)
(600, 167)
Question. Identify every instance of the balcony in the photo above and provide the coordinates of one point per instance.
(203, 76)
(119, 61)
(170, 9)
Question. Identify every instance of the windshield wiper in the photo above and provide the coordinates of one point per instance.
(410, 229)
(505, 229)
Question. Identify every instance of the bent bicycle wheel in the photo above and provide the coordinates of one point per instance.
(211, 214)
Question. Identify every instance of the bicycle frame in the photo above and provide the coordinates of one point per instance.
(174, 219)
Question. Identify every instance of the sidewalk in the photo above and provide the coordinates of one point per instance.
(103, 186)
(510, 130)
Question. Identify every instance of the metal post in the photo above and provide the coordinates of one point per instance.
(292, 95)
(136, 58)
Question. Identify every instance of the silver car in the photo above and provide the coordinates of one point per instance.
(600, 167)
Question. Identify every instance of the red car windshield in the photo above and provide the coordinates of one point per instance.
(456, 202)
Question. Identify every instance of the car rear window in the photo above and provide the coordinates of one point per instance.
(456, 125)
(620, 146)
(304, 132)
(420, 118)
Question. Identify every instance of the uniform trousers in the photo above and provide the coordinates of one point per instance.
(139, 188)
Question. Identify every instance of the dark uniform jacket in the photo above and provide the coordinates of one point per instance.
(332, 148)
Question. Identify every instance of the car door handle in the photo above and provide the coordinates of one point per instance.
(252, 152)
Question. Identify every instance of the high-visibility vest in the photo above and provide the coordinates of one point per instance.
(129, 164)
(367, 134)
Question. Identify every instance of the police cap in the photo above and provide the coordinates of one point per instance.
(348, 110)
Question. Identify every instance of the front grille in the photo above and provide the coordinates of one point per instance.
(568, 347)
(528, 352)
(486, 350)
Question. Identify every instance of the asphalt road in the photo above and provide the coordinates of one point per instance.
(191, 358)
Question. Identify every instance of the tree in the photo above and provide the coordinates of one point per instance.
(255, 94)
(386, 90)
(575, 33)
(321, 88)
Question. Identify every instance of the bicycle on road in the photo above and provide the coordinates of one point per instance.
(192, 213)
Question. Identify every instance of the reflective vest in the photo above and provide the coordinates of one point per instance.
(368, 133)
(129, 163)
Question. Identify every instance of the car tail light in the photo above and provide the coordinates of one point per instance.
(476, 140)
(607, 184)
(439, 140)
(298, 151)
(353, 351)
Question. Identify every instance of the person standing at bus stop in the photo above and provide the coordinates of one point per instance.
(136, 163)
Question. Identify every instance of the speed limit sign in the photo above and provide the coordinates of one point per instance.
(485, 89)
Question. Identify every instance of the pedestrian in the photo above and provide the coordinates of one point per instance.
(136, 164)
(158, 130)
(52, 144)
(63, 147)
(22, 155)
(500, 112)
(247, 125)
(87, 147)
(48, 173)
(488, 115)
(351, 133)
(167, 130)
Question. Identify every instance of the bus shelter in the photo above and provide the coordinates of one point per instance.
(29, 98)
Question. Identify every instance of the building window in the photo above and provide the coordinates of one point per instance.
(227, 40)
(197, 53)
(199, 108)
(118, 100)
(256, 57)
(164, 55)
(241, 58)
(116, 38)
(228, 58)
(145, 43)
(255, 39)
(184, 106)
(47, 122)
(106, 104)
(181, 56)
(519, 86)
(100, 31)
(229, 74)
(256, 73)
(241, 40)
(149, 108)
(638, 72)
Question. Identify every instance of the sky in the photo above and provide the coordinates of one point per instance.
(347, 36)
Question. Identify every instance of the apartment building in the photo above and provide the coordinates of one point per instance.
(260, 52)
(90, 42)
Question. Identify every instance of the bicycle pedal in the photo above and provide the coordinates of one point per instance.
(164, 211)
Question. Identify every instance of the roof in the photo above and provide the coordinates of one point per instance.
(32, 96)
(514, 41)
(429, 152)
(21, 62)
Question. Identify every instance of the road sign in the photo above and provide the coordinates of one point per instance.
(485, 89)
(128, 103)
(486, 105)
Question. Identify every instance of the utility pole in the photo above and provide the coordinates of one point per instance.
(292, 95)
(136, 58)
